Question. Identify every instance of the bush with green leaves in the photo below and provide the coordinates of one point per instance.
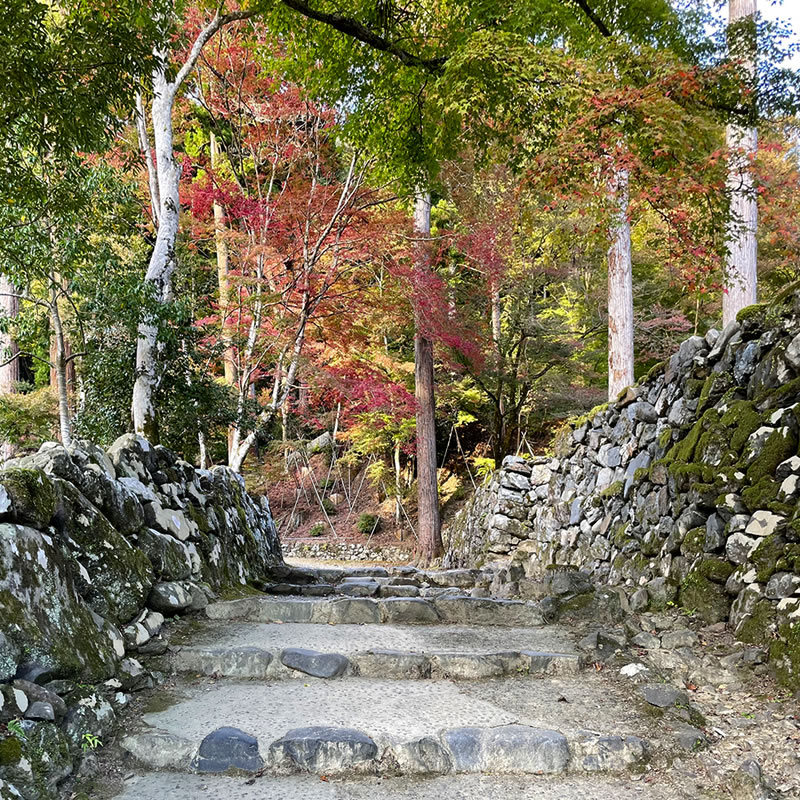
(317, 529)
(368, 524)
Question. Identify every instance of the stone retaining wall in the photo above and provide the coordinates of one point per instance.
(96, 549)
(343, 551)
(685, 491)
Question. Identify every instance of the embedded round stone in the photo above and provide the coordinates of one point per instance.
(228, 748)
(318, 665)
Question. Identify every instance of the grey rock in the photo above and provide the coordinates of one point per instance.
(228, 748)
(318, 665)
(239, 662)
(782, 584)
(661, 695)
(691, 739)
(672, 640)
(466, 666)
(401, 611)
(361, 587)
(391, 664)
(646, 640)
(169, 598)
(39, 694)
(479, 611)
(40, 710)
(160, 750)
(593, 753)
(356, 611)
(507, 749)
(324, 750)
(424, 756)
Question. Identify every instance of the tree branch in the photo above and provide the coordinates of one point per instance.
(357, 30)
(593, 17)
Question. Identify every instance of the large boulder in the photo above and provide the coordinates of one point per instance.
(41, 612)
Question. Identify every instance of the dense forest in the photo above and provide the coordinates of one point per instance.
(434, 230)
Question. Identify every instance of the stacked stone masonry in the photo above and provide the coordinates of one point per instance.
(97, 549)
(686, 491)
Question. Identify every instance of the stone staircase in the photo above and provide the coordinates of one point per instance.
(340, 683)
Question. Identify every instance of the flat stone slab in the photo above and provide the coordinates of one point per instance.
(322, 750)
(507, 749)
(311, 662)
(449, 608)
(176, 786)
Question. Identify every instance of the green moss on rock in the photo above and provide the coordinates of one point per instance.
(715, 569)
(780, 445)
(761, 495)
(33, 498)
(705, 598)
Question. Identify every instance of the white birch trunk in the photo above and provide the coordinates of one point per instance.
(162, 261)
(741, 263)
(620, 289)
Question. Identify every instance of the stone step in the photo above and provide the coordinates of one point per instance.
(180, 786)
(394, 727)
(452, 578)
(452, 609)
(458, 652)
(250, 662)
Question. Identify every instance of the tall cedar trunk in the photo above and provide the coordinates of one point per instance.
(741, 263)
(620, 289)
(429, 524)
(9, 372)
(162, 260)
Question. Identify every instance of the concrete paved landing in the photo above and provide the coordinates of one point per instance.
(347, 639)
(399, 709)
(172, 786)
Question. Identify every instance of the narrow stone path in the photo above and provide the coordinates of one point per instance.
(447, 693)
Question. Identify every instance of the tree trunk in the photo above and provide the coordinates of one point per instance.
(9, 372)
(60, 364)
(223, 280)
(429, 524)
(620, 290)
(162, 260)
(741, 263)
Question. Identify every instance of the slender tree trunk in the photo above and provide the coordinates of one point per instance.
(166, 82)
(9, 371)
(620, 289)
(60, 364)
(741, 263)
(223, 279)
(162, 260)
(429, 525)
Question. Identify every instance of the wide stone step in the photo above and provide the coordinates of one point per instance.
(258, 663)
(393, 727)
(179, 786)
(259, 650)
(453, 609)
